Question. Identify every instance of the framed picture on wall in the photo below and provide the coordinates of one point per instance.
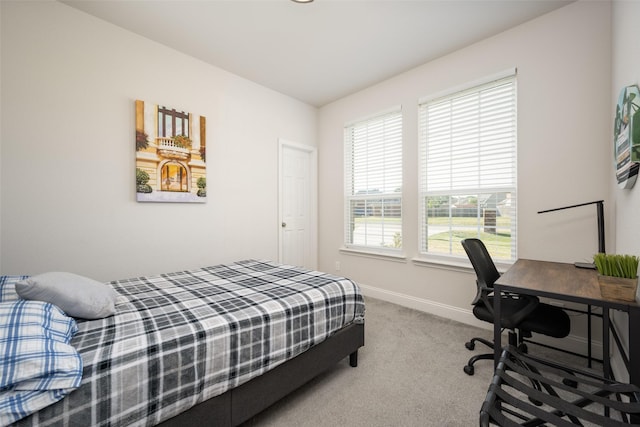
(170, 154)
(626, 136)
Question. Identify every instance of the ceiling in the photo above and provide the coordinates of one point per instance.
(320, 51)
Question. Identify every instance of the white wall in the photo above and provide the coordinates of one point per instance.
(564, 151)
(0, 147)
(625, 72)
(67, 198)
(69, 82)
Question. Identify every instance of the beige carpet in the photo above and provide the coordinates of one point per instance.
(409, 374)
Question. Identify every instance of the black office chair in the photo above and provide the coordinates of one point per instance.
(520, 314)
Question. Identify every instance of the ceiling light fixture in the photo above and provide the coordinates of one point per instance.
(302, 1)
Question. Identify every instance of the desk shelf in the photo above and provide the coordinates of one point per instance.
(568, 396)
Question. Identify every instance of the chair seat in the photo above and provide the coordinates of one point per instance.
(545, 319)
(522, 315)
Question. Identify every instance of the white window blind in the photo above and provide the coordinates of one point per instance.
(468, 170)
(373, 182)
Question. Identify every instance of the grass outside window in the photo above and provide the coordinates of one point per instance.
(459, 228)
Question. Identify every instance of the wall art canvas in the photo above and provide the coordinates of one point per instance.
(626, 136)
(170, 154)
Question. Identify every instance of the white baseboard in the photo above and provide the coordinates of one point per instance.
(574, 343)
(427, 306)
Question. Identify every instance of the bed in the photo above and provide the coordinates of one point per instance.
(213, 346)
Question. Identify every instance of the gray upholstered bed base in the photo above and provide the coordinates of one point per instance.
(242, 403)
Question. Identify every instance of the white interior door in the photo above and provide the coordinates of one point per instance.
(297, 204)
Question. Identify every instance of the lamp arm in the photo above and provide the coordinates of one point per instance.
(600, 211)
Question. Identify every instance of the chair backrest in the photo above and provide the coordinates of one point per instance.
(486, 270)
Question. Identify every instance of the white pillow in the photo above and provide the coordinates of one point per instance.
(76, 295)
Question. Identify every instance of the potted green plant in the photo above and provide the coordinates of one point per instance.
(142, 178)
(617, 275)
(202, 187)
(142, 140)
(182, 141)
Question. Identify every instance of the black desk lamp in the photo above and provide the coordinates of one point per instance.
(600, 208)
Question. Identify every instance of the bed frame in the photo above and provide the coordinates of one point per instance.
(242, 403)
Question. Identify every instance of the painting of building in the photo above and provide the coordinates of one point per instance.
(170, 155)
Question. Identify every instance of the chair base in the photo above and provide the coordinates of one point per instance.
(469, 369)
(514, 339)
(471, 345)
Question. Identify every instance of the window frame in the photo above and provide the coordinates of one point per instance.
(455, 257)
(370, 201)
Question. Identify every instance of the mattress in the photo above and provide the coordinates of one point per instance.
(180, 338)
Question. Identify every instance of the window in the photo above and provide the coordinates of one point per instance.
(468, 170)
(172, 123)
(373, 182)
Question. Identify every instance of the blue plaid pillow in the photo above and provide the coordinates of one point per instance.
(39, 366)
(8, 288)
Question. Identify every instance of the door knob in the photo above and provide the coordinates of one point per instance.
(284, 224)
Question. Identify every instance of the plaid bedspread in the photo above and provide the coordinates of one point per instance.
(180, 338)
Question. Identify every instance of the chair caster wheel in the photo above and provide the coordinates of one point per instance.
(523, 348)
(468, 369)
(470, 346)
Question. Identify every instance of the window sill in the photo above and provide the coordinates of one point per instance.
(444, 264)
(452, 264)
(374, 254)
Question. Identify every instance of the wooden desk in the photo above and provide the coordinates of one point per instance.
(565, 282)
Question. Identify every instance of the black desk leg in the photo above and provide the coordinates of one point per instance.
(606, 346)
(606, 349)
(589, 355)
(497, 327)
(634, 352)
